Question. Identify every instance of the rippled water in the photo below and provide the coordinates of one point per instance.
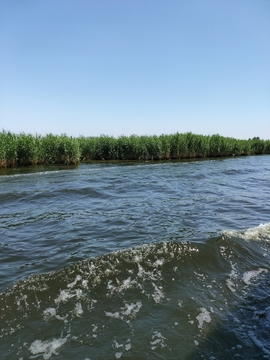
(136, 260)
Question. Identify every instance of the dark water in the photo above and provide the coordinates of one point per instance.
(136, 260)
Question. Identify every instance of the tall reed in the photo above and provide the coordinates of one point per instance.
(22, 149)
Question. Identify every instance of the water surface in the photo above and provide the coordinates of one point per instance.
(155, 260)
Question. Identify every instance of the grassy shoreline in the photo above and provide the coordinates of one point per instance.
(22, 149)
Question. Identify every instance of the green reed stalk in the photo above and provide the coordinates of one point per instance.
(22, 149)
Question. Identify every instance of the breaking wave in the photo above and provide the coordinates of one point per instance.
(161, 300)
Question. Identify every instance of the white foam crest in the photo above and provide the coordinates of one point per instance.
(256, 233)
(47, 348)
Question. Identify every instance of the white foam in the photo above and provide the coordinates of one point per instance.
(47, 348)
(204, 316)
(128, 347)
(157, 339)
(256, 233)
(248, 275)
(132, 309)
(63, 296)
(115, 315)
(85, 283)
(129, 310)
(71, 285)
(116, 345)
(49, 312)
(78, 293)
(231, 282)
(230, 285)
(158, 262)
(78, 310)
(158, 294)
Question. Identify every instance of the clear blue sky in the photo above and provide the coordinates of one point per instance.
(135, 67)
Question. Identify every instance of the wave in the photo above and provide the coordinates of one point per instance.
(261, 232)
(156, 300)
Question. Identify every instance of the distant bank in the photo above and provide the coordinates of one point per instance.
(22, 149)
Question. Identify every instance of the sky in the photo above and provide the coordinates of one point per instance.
(144, 67)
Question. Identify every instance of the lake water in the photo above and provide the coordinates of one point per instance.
(152, 260)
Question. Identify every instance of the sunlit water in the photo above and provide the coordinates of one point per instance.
(166, 260)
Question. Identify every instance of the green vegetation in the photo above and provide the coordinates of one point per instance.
(22, 149)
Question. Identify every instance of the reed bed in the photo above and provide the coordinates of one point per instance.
(21, 149)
